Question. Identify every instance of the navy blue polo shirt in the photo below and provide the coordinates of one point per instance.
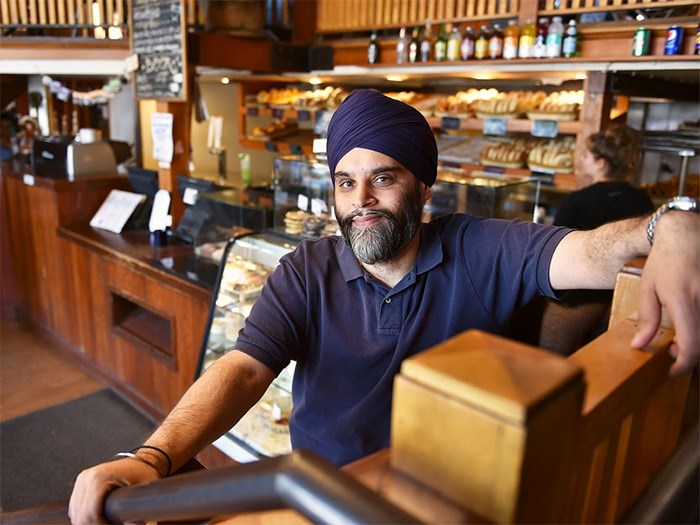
(349, 333)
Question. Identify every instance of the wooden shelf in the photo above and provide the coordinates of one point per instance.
(564, 181)
(512, 125)
(297, 144)
(474, 124)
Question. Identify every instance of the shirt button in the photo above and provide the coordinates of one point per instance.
(387, 300)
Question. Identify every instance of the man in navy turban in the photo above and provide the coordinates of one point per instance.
(367, 119)
(349, 311)
(369, 125)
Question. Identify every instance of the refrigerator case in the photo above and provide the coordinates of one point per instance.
(244, 265)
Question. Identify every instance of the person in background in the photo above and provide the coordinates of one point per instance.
(349, 309)
(7, 134)
(605, 168)
(604, 172)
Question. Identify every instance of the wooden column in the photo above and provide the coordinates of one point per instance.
(595, 112)
(180, 165)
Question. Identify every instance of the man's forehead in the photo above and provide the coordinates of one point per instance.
(365, 159)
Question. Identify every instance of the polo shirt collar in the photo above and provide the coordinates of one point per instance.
(429, 254)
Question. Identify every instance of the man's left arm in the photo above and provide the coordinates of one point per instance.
(671, 277)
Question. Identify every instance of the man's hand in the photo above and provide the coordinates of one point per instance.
(671, 279)
(94, 484)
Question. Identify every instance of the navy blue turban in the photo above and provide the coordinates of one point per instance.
(367, 119)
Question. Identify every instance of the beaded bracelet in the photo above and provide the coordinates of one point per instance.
(130, 455)
(161, 451)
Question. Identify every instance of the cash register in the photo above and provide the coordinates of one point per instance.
(63, 158)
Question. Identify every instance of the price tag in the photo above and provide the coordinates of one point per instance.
(302, 202)
(494, 126)
(277, 113)
(545, 178)
(252, 111)
(270, 146)
(323, 118)
(303, 115)
(28, 179)
(449, 123)
(545, 128)
(295, 149)
(318, 206)
(497, 170)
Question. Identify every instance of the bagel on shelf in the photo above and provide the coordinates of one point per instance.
(554, 155)
(560, 105)
(510, 154)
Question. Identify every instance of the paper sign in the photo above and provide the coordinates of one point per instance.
(116, 210)
(162, 135)
(303, 202)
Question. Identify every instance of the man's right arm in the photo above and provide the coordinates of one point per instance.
(211, 406)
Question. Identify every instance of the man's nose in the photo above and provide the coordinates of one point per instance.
(364, 195)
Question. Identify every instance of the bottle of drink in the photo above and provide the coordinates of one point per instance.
(440, 46)
(466, 49)
(526, 45)
(570, 47)
(373, 49)
(453, 43)
(402, 47)
(481, 45)
(555, 36)
(426, 44)
(540, 47)
(697, 40)
(414, 46)
(510, 40)
(496, 42)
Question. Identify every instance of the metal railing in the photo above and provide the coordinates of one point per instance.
(301, 481)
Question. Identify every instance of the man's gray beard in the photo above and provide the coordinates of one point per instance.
(385, 239)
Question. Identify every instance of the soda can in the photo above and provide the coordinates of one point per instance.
(641, 41)
(674, 36)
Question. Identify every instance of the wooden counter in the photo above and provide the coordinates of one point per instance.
(140, 327)
(96, 295)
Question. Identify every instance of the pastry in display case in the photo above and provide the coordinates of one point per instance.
(244, 265)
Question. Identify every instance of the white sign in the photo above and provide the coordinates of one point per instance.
(162, 136)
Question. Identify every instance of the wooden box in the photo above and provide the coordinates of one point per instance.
(490, 423)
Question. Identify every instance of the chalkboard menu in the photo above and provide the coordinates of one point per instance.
(158, 40)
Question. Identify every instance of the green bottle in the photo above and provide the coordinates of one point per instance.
(441, 45)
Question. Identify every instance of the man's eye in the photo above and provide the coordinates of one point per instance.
(345, 184)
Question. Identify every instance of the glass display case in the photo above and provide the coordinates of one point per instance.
(244, 265)
(484, 195)
(303, 197)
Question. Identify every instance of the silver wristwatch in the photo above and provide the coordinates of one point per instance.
(676, 203)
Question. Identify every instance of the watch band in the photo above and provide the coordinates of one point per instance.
(683, 203)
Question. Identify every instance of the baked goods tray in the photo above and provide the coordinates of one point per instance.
(275, 135)
(535, 115)
(507, 116)
(550, 169)
(498, 164)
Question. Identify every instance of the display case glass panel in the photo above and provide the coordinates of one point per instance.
(303, 197)
(244, 266)
(484, 195)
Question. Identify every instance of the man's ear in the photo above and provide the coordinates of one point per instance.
(427, 193)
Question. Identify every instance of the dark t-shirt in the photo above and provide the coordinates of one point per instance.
(349, 334)
(601, 203)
